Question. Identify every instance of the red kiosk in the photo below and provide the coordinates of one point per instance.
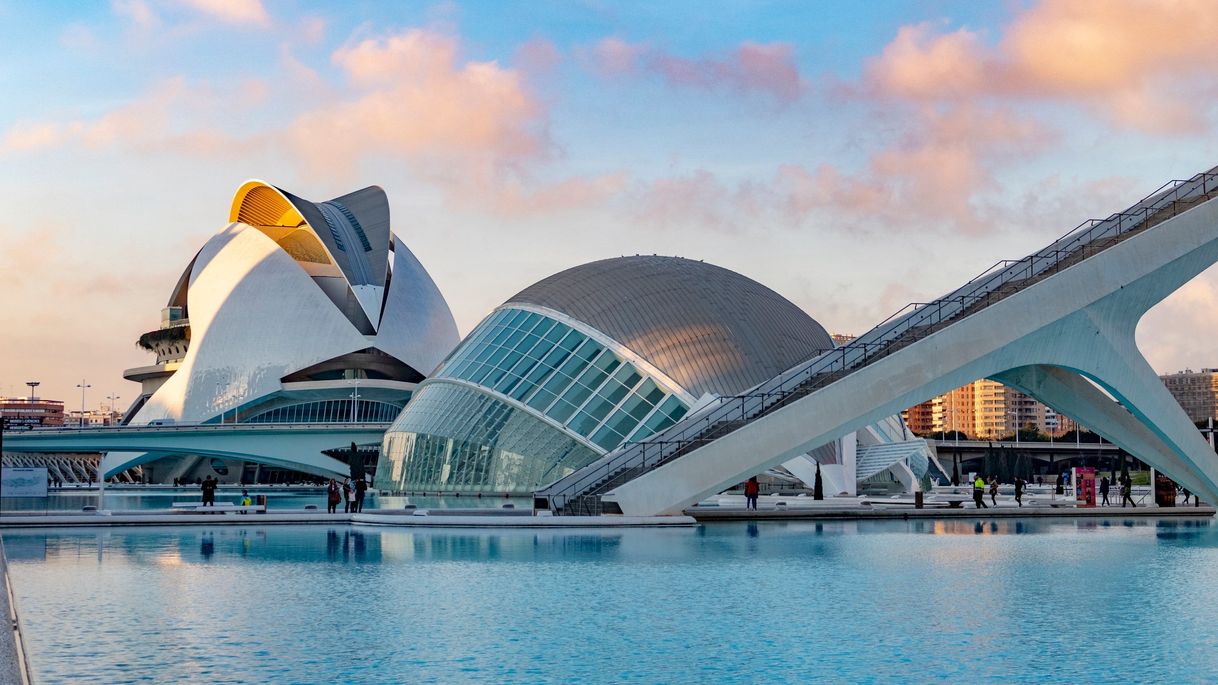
(1084, 486)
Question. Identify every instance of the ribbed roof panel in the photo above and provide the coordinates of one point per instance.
(708, 328)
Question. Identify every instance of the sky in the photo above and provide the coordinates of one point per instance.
(852, 156)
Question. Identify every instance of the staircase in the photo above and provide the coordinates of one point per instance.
(580, 493)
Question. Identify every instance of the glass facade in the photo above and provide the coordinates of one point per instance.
(565, 375)
(328, 411)
(458, 439)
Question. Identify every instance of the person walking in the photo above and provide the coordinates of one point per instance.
(1186, 494)
(751, 489)
(1127, 492)
(994, 490)
(361, 488)
(1019, 485)
(333, 496)
(1104, 483)
(979, 493)
(346, 495)
(209, 492)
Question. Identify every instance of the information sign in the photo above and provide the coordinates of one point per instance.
(23, 482)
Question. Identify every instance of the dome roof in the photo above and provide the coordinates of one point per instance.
(708, 328)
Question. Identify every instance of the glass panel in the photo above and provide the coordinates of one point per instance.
(561, 410)
(541, 399)
(606, 438)
(576, 394)
(583, 423)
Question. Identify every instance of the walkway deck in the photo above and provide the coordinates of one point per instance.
(716, 514)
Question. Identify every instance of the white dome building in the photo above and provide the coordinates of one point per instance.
(589, 359)
(295, 312)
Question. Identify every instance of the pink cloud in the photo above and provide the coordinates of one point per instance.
(615, 57)
(232, 11)
(413, 96)
(537, 56)
(767, 68)
(1138, 62)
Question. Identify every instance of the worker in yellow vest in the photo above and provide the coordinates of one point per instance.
(979, 492)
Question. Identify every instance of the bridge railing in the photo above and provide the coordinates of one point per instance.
(908, 325)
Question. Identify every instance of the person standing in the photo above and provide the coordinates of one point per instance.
(751, 489)
(1104, 483)
(209, 492)
(346, 495)
(994, 490)
(979, 493)
(361, 488)
(333, 496)
(1019, 484)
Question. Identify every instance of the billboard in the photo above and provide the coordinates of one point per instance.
(23, 482)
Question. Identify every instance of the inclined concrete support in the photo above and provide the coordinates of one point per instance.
(1082, 319)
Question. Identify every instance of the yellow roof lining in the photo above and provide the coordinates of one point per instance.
(258, 204)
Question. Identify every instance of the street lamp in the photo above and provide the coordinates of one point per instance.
(83, 386)
(113, 404)
(355, 402)
(33, 385)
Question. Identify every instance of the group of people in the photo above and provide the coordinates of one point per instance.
(351, 494)
(980, 485)
(1126, 484)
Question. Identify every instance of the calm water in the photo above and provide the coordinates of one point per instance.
(1068, 601)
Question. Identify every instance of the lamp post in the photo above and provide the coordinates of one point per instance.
(83, 386)
(113, 404)
(355, 402)
(33, 387)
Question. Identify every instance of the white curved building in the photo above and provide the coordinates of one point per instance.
(591, 358)
(295, 312)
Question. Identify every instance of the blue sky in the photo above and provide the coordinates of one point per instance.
(852, 156)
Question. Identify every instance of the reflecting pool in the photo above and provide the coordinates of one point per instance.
(879, 601)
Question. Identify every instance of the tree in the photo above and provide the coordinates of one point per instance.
(356, 463)
(818, 488)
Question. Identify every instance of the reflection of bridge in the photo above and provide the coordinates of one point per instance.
(285, 445)
(1057, 325)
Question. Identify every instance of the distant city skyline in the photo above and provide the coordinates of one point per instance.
(853, 157)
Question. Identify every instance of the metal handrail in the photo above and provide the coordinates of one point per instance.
(901, 327)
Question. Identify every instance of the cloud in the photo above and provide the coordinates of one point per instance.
(537, 56)
(138, 12)
(767, 68)
(249, 12)
(1137, 62)
(412, 96)
(174, 115)
(1179, 332)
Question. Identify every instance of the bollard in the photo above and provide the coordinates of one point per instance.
(918, 499)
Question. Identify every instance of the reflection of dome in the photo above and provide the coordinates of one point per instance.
(583, 361)
(287, 308)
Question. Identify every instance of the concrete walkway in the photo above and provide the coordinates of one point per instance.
(711, 514)
(14, 669)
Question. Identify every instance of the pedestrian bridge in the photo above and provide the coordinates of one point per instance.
(1057, 324)
(296, 446)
